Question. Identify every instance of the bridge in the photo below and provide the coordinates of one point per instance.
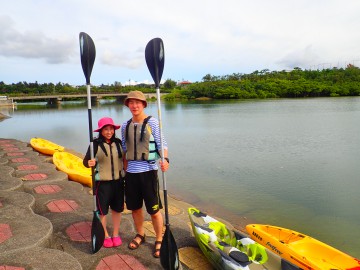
(56, 99)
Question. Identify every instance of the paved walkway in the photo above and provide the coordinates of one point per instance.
(46, 221)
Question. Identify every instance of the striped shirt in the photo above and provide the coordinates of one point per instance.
(138, 166)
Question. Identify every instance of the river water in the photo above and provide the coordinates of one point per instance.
(288, 162)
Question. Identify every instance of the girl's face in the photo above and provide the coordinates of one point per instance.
(136, 106)
(107, 132)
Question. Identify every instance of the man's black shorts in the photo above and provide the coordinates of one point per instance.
(141, 187)
(110, 194)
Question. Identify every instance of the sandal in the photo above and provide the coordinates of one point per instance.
(156, 253)
(135, 243)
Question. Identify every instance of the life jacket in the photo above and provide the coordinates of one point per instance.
(109, 165)
(140, 143)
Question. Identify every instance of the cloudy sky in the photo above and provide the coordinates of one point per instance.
(39, 39)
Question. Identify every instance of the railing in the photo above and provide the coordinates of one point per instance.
(68, 96)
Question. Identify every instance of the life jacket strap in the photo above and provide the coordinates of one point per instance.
(146, 120)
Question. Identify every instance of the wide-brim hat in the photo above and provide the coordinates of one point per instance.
(105, 121)
(135, 95)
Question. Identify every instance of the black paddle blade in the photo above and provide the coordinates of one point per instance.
(155, 59)
(169, 255)
(87, 54)
(97, 234)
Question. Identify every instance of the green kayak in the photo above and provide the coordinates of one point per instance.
(231, 250)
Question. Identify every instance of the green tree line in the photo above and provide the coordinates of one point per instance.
(34, 89)
(258, 84)
(274, 84)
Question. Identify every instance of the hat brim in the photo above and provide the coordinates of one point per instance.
(100, 128)
(126, 102)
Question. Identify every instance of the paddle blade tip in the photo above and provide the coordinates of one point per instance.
(169, 254)
(97, 234)
(155, 59)
(87, 54)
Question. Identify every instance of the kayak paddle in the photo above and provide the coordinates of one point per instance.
(87, 54)
(155, 59)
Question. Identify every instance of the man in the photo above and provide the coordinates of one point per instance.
(141, 143)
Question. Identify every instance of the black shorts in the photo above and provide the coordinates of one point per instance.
(109, 194)
(141, 187)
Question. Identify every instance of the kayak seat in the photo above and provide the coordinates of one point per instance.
(234, 255)
(221, 231)
(199, 214)
(205, 234)
(239, 257)
(257, 253)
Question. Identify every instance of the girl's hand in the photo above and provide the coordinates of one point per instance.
(92, 162)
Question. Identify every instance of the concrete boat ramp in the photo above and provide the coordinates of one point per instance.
(45, 221)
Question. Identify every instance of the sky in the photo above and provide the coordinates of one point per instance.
(39, 39)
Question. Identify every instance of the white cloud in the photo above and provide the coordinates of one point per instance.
(128, 60)
(33, 44)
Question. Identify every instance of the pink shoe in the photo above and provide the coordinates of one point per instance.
(116, 241)
(108, 243)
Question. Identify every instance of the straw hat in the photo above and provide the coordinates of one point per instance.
(135, 95)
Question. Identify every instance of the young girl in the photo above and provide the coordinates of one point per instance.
(109, 182)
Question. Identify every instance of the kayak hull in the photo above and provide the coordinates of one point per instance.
(301, 249)
(73, 166)
(45, 147)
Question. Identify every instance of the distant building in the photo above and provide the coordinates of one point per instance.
(183, 83)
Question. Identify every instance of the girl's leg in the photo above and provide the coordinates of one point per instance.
(116, 219)
(108, 243)
(103, 222)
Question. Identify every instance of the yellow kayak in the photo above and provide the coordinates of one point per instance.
(301, 249)
(45, 147)
(72, 165)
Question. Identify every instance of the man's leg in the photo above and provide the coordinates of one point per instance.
(158, 224)
(138, 217)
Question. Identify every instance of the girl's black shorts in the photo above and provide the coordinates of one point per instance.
(110, 194)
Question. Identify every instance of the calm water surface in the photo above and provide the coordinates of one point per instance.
(291, 162)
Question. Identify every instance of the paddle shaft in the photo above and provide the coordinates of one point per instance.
(167, 222)
(91, 137)
(162, 156)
